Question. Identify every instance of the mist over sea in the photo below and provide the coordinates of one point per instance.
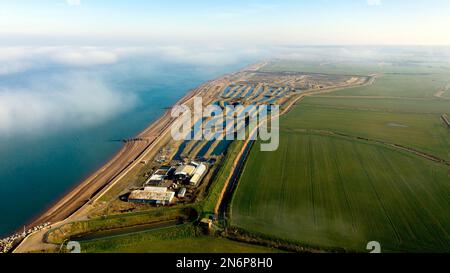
(61, 107)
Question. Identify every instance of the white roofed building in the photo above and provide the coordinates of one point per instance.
(199, 172)
(152, 195)
(185, 171)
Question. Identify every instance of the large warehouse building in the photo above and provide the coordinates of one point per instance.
(198, 174)
(193, 172)
(152, 195)
(183, 172)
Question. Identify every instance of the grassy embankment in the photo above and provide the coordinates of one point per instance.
(123, 221)
(180, 239)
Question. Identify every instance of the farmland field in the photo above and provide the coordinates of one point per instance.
(329, 185)
(325, 191)
(431, 106)
(358, 68)
(407, 85)
(424, 132)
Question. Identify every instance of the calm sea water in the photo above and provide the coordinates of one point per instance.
(37, 169)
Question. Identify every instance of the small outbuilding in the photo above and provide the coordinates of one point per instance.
(181, 193)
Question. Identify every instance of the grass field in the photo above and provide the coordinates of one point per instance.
(425, 132)
(431, 106)
(403, 85)
(358, 68)
(181, 239)
(329, 191)
(325, 191)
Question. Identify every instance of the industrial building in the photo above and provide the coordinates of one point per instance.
(184, 172)
(193, 172)
(161, 177)
(152, 195)
(161, 187)
(198, 174)
(181, 193)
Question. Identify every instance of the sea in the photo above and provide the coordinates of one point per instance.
(39, 165)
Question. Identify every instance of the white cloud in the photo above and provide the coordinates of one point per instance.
(67, 97)
(85, 57)
(374, 2)
(68, 100)
(73, 2)
(20, 59)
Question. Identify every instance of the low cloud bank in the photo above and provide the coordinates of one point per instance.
(78, 96)
(69, 100)
(48, 88)
(20, 59)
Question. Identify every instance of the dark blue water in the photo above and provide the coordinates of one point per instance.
(260, 90)
(241, 91)
(250, 92)
(204, 149)
(233, 91)
(180, 150)
(225, 92)
(221, 147)
(37, 169)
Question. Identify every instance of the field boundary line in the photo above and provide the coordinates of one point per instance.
(384, 143)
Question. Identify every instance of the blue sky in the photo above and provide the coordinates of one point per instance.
(248, 22)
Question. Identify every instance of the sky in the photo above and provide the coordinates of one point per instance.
(221, 23)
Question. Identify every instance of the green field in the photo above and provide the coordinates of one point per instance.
(431, 106)
(181, 239)
(424, 132)
(358, 68)
(403, 85)
(326, 191)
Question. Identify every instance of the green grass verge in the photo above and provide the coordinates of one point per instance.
(60, 234)
(180, 239)
(219, 180)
